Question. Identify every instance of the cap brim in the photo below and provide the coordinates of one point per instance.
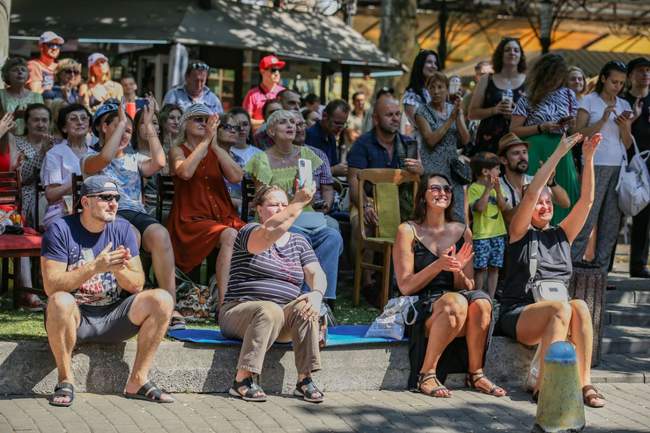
(276, 65)
(58, 40)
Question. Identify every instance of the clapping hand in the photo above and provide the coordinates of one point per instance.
(448, 261)
(211, 127)
(465, 255)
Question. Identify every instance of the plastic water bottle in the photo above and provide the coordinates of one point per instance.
(507, 95)
(4, 223)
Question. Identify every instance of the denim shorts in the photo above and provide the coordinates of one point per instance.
(489, 252)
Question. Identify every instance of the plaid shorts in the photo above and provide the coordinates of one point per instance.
(489, 252)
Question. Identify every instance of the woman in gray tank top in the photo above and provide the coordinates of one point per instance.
(546, 322)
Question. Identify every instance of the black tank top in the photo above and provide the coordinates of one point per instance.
(423, 257)
(553, 262)
(492, 128)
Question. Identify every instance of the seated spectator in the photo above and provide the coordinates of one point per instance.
(100, 88)
(442, 127)
(61, 162)
(324, 195)
(268, 89)
(243, 148)
(261, 139)
(546, 322)
(66, 83)
(381, 147)
(227, 137)
(358, 113)
(170, 125)
(140, 142)
(264, 303)
(8, 152)
(487, 204)
(42, 69)
(202, 216)
(32, 147)
(278, 166)
(290, 100)
(127, 170)
(15, 97)
(194, 90)
(130, 89)
(433, 260)
(311, 117)
(513, 153)
(323, 134)
(312, 104)
(93, 277)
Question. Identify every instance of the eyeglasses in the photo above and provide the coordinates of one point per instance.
(199, 66)
(81, 119)
(231, 128)
(440, 188)
(199, 119)
(53, 45)
(71, 71)
(107, 197)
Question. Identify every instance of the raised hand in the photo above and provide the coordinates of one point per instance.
(121, 112)
(7, 123)
(212, 126)
(590, 144)
(448, 261)
(568, 142)
(304, 195)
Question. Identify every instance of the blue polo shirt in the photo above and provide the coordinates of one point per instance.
(179, 96)
(366, 152)
(318, 138)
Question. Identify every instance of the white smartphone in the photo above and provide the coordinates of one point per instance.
(305, 173)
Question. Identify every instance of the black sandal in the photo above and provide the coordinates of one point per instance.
(63, 389)
(252, 389)
(149, 392)
(589, 399)
(310, 390)
(426, 377)
(472, 378)
(177, 323)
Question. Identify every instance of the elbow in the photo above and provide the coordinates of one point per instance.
(237, 176)
(182, 174)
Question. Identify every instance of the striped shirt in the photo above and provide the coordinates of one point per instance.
(274, 275)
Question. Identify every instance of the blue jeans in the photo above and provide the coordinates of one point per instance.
(328, 246)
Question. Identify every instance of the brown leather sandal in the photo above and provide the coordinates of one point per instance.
(494, 390)
(427, 377)
(589, 399)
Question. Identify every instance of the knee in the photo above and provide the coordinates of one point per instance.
(270, 315)
(579, 308)
(333, 239)
(60, 302)
(158, 237)
(161, 302)
(561, 311)
(481, 309)
(455, 307)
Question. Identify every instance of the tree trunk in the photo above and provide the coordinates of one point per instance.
(5, 13)
(398, 38)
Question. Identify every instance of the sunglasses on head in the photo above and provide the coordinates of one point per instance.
(440, 188)
(107, 197)
(199, 66)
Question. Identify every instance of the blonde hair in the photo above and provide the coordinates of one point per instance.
(276, 117)
(584, 79)
(263, 192)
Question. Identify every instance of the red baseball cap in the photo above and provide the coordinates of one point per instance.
(271, 61)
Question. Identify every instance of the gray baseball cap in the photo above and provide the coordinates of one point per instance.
(98, 184)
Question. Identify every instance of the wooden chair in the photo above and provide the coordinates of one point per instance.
(247, 194)
(165, 186)
(385, 188)
(77, 180)
(12, 246)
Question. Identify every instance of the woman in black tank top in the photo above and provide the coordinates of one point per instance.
(546, 322)
(433, 260)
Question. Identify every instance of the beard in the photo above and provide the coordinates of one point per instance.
(521, 167)
(388, 129)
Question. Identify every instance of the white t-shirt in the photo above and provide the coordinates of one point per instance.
(245, 154)
(511, 195)
(611, 148)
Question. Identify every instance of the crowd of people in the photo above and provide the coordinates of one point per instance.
(531, 152)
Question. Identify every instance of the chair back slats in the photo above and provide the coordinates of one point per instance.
(165, 185)
(387, 207)
(77, 180)
(247, 195)
(10, 193)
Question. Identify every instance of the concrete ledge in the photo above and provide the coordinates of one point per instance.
(28, 367)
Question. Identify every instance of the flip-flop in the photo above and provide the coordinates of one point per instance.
(149, 392)
(63, 389)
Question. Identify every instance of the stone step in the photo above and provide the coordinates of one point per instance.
(628, 315)
(628, 340)
(28, 367)
(628, 297)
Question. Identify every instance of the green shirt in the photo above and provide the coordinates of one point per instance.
(487, 224)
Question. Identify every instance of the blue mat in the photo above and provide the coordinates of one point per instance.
(344, 335)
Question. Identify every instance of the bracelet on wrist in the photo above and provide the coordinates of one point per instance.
(552, 183)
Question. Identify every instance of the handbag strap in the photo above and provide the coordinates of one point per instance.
(533, 247)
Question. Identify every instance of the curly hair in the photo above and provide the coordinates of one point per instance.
(420, 208)
(497, 57)
(547, 74)
(9, 64)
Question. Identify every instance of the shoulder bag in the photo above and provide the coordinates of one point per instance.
(544, 289)
(633, 186)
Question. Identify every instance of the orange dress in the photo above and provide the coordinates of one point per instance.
(201, 211)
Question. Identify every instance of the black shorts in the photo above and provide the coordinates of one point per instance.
(105, 323)
(508, 318)
(139, 220)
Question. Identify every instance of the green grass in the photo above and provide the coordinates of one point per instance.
(22, 325)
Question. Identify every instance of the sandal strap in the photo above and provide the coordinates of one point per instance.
(475, 377)
(426, 377)
(65, 389)
(252, 388)
(151, 391)
(310, 387)
(597, 394)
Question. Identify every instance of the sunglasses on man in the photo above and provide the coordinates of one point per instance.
(53, 45)
(107, 197)
(198, 66)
